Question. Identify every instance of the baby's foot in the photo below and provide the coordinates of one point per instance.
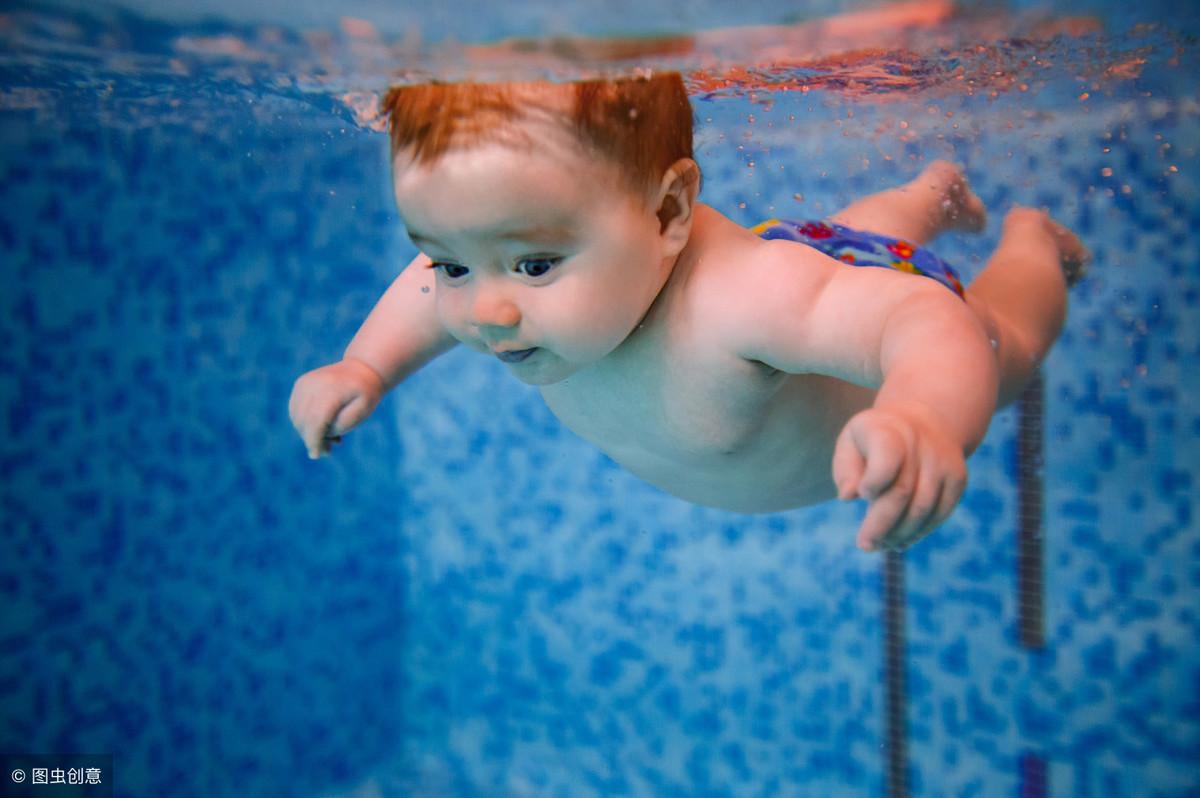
(1073, 256)
(960, 208)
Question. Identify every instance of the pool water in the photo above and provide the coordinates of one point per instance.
(467, 600)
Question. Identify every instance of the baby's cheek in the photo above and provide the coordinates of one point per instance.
(598, 330)
(453, 319)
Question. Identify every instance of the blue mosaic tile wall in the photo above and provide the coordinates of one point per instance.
(469, 601)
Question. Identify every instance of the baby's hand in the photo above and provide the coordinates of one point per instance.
(910, 471)
(330, 401)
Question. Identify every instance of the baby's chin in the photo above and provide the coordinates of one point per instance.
(542, 381)
(549, 367)
(543, 369)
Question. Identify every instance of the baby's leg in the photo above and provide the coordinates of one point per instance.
(937, 200)
(1021, 295)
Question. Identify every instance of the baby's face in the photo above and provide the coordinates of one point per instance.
(544, 259)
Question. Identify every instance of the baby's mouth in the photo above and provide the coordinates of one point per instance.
(515, 355)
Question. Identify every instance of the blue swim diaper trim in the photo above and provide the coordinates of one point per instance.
(862, 248)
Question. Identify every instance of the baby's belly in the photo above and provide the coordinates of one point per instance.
(741, 483)
(783, 463)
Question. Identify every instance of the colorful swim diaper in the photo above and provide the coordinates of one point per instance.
(862, 248)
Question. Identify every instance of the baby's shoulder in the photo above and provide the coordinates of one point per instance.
(737, 275)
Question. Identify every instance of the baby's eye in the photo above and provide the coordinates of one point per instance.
(452, 270)
(537, 267)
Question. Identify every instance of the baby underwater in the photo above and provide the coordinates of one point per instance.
(754, 370)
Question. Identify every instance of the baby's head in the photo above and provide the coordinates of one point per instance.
(640, 126)
(553, 213)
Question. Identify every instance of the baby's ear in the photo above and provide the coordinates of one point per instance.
(676, 203)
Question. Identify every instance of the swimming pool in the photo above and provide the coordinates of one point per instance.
(467, 600)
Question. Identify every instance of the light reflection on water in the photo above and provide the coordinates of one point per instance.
(132, 72)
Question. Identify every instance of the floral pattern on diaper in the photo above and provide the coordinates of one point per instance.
(863, 248)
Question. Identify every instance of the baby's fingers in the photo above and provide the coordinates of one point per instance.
(922, 514)
(848, 465)
(316, 442)
(326, 445)
(320, 426)
(952, 490)
(349, 415)
(884, 513)
(886, 450)
(939, 487)
(867, 457)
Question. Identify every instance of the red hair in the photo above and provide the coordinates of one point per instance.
(642, 125)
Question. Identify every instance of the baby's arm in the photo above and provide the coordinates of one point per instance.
(401, 334)
(915, 341)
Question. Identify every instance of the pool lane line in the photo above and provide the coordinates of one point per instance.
(1033, 773)
(1030, 602)
(896, 696)
(1031, 628)
(1030, 579)
(1034, 780)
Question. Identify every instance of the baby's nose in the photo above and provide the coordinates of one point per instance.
(494, 309)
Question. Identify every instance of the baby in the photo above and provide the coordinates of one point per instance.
(560, 233)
